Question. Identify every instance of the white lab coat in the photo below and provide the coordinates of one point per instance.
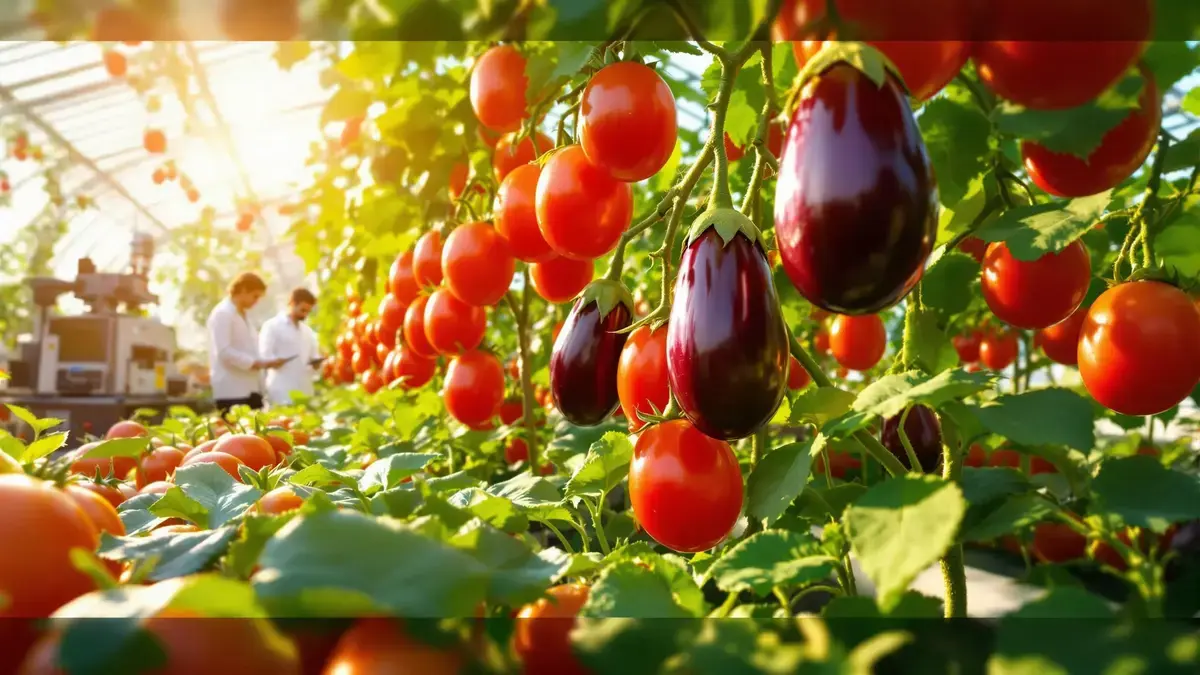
(281, 337)
(233, 349)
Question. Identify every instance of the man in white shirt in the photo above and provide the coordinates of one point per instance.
(286, 335)
(234, 363)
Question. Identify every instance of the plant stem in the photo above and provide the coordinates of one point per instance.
(583, 536)
(660, 212)
(664, 252)
(913, 463)
(954, 573)
(720, 198)
(759, 447)
(783, 600)
(598, 524)
(566, 544)
(522, 318)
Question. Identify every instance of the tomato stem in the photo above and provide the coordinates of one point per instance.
(566, 544)
(954, 577)
(596, 509)
(618, 261)
(521, 315)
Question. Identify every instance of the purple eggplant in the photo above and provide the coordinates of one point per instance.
(583, 364)
(856, 203)
(924, 433)
(727, 343)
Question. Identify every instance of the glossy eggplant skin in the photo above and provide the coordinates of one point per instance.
(727, 343)
(583, 364)
(856, 204)
(923, 431)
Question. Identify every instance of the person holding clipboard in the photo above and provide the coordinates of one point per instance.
(234, 361)
(286, 336)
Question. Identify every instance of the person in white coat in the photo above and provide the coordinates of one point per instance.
(235, 366)
(286, 336)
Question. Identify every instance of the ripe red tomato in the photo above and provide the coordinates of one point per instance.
(451, 325)
(361, 362)
(976, 456)
(516, 450)
(414, 329)
(507, 157)
(126, 429)
(458, 179)
(427, 259)
(41, 525)
(840, 463)
(627, 121)
(372, 381)
(516, 214)
(581, 210)
(382, 646)
(111, 494)
(541, 633)
(117, 467)
(1065, 53)
(1039, 465)
(1058, 543)
(155, 141)
(974, 247)
(402, 281)
(511, 410)
(857, 342)
(642, 383)
(158, 465)
(821, 341)
(912, 33)
(1005, 457)
(280, 500)
(227, 462)
(474, 387)
(412, 369)
(798, 377)
(477, 265)
(733, 152)
(1138, 350)
(967, 345)
(391, 319)
(1039, 293)
(997, 351)
(559, 280)
(1122, 150)
(1060, 342)
(685, 487)
(251, 450)
(498, 84)
(115, 63)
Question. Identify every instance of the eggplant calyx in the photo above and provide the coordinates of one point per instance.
(607, 294)
(727, 222)
(859, 55)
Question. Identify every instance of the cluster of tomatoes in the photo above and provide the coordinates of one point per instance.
(20, 150)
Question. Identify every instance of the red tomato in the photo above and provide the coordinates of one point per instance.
(474, 387)
(912, 33)
(798, 377)
(1035, 294)
(413, 370)
(976, 456)
(251, 450)
(1038, 465)
(1005, 457)
(111, 494)
(1138, 350)
(642, 384)
(498, 84)
(156, 488)
(685, 488)
(516, 214)
(280, 500)
(126, 429)
(158, 465)
(40, 526)
(117, 467)
(967, 346)
(372, 381)
(361, 361)
(477, 265)
(541, 633)
(840, 463)
(733, 152)
(997, 351)
(115, 63)
(281, 447)
(1068, 52)
(974, 247)
(381, 646)
(458, 179)
(516, 450)
(1060, 342)
(451, 325)
(427, 259)
(627, 121)
(506, 158)
(414, 329)
(391, 319)
(402, 280)
(1058, 543)
(227, 462)
(559, 280)
(857, 342)
(581, 210)
(1120, 153)
(821, 341)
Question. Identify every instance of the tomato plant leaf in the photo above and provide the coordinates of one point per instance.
(518, 575)
(1015, 513)
(136, 516)
(956, 137)
(625, 589)
(174, 503)
(818, 405)
(400, 502)
(1170, 61)
(1144, 493)
(1178, 244)
(23, 414)
(118, 447)
(118, 643)
(777, 480)
(178, 554)
(339, 560)
(948, 284)
(984, 485)
(318, 474)
(604, 645)
(771, 559)
(459, 480)
(253, 535)
(1033, 231)
(902, 526)
(42, 447)
(496, 511)
(932, 347)
(1051, 416)
(606, 465)
(216, 491)
(1077, 131)
(387, 473)
(891, 394)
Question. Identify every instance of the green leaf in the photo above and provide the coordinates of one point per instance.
(1191, 101)
(135, 514)
(118, 447)
(1013, 514)
(1170, 60)
(1051, 416)
(777, 480)
(1144, 493)
(1033, 231)
(665, 177)
(496, 511)
(534, 496)
(346, 103)
(771, 559)
(981, 485)
(1178, 244)
(459, 480)
(606, 465)
(890, 395)
(23, 414)
(1184, 154)
(818, 405)
(741, 120)
(518, 575)
(223, 497)
(318, 474)
(933, 349)
(1077, 131)
(902, 526)
(626, 589)
(253, 535)
(331, 563)
(175, 504)
(388, 472)
(42, 447)
(957, 138)
(947, 286)
(178, 554)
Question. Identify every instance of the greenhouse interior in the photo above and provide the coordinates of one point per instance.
(690, 337)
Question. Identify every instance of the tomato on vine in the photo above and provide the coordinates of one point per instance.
(474, 387)
(498, 85)
(642, 381)
(451, 325)
(427, 259)
(627, 121)
(541, 632)
(516, 214)
(507, 157)
(559, 280)
(857, 342)
(1038, 293)
(411, 369)
(798, 377)
(476, 264)
(414, 329)
(1060, 342)
(967, 345)
(998, 350)
(581, 209)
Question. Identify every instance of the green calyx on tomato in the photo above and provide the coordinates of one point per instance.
(607, 294)
(727, 222)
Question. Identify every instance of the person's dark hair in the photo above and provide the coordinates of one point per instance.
(302, 296)
(247, 281)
